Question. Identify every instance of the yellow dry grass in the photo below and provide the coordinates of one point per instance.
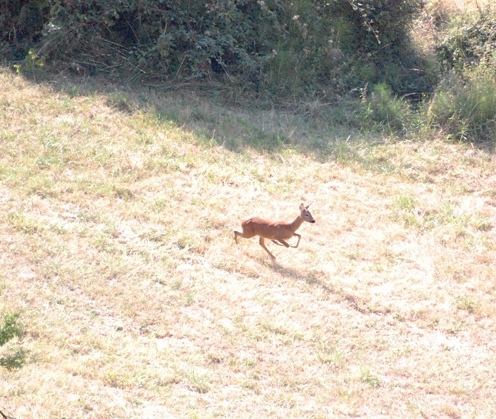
(117, 250)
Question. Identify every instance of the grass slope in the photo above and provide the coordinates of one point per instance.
(116, 250)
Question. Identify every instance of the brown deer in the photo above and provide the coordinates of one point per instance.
(277, 231)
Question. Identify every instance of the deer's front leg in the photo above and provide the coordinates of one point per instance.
(298, 242)
(281, 242)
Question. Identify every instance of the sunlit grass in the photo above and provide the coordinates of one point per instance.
(118, 209)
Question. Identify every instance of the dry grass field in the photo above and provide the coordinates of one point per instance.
(117, 254)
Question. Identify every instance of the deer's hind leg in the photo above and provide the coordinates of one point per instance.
(262, 243)
(236, 234)
(246, 234)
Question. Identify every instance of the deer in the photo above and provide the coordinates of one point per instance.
(277, 231)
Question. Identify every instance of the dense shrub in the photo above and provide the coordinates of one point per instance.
(464, 103)
(470, 41)
(158, 39)
(385, 110)
(11, 328)
(466, 108)
(339, 46)
(289, 49)
(21, 25)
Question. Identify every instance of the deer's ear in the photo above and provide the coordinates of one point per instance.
(302, 207)
(307, 206)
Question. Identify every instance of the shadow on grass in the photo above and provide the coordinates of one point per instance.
(4, 416)
(352, 301)
(325, 132)
(209, 115)
(297, 276)
(14, 361)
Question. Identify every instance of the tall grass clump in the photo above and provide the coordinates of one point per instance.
(11, 328)
(326, 49)
(384, 110)
(464, 103)
(469, 40)
(465, 108)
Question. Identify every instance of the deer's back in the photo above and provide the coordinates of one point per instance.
(256, 226)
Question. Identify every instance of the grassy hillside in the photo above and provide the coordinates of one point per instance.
(117, 255)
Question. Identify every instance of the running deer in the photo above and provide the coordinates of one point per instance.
(277, 231)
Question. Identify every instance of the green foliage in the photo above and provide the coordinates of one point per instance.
(379, 22)
(464, 103)
(470, 41)
(295, 50)
(466, 107)
(30, 63)
(380, 45)
(383, 109)
(338, 46)
(11, 328)
(366, 376)
(21, 22)
(158, 39)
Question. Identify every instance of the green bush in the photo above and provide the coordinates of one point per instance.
(296, 50)
(464, 103)
(470, 41)
(465, 108)
(9, 328)
(158, 40)
(380, 45)
(382, 109)
(21, 22)
(339, 46)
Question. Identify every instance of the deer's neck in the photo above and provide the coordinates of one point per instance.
(295, 225)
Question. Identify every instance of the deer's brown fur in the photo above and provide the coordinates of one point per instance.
(277, 231)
